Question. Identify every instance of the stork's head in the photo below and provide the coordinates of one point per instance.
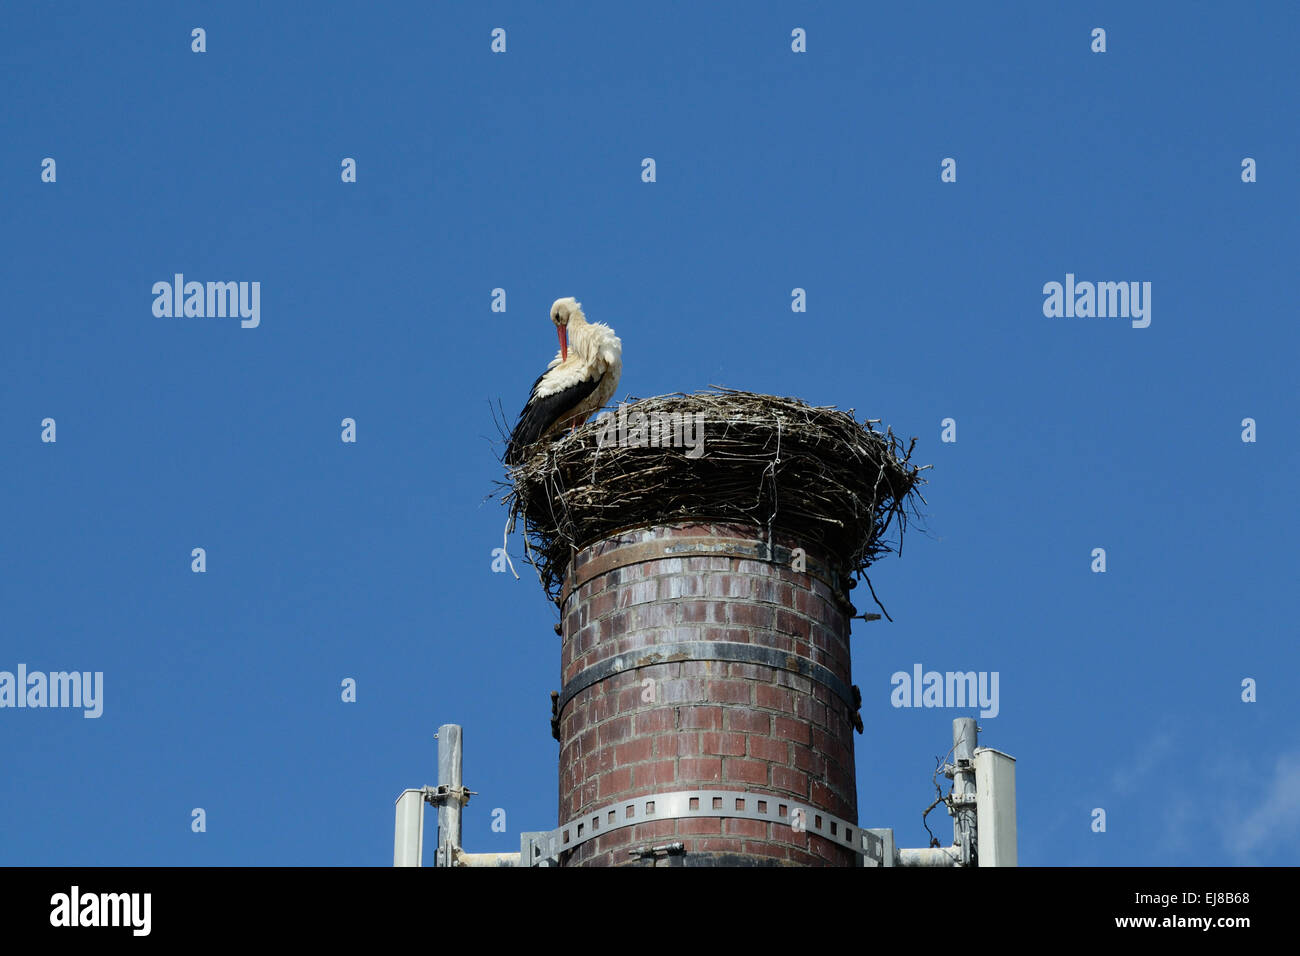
(562, 310)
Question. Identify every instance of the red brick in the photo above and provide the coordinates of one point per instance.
(602, 761)
(600, 707)
(667, 565)
(694, 531)
(824, 848)
(700, 718)
(748, 615)
(749, 672)
(788, 622)
(807, 759)
(809, 709)
(746, 828)
(629, 698)
(642, 592)
(577, 721)
(699, 668)
(796, 682)
(654, 721)
(824, 795)
(729, 585)
(686, 690)
(654, 774)
(837, 625)
(615, 782)
(611, 731)
(654, 615)
(794, 781)
(634, 641)
(700, 770)
(730, 691)
(748, 771)
(677, 745)
(726, 744)
(748, 721)
(601, 604)
(774, 698)
(697, 612)
(831, 747)
(720, 845)
(840, 778)
(682, 586)
(774, 850)
(653, 830)
(765, 748)
(701, 825)
(828, 614)
(791, 729)
(634, 751)
(772, 591)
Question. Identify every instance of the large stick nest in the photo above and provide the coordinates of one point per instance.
(816, 473)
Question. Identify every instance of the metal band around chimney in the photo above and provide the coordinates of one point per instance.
(732, 651)
(698, 546)
(736, 804)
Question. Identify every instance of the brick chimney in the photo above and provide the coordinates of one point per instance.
(706, 701)
(706, 714)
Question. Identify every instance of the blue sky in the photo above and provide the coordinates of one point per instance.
(522, 171)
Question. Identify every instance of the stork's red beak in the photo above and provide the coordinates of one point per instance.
(563, 333)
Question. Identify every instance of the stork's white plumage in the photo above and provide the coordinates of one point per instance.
(580, 379)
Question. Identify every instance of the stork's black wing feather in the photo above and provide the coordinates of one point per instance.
(541, 413)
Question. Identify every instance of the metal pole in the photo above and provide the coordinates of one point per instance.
(929, 856)
(965, 738)
(488, 859)
(449, 776)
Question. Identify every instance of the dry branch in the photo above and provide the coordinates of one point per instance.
(775, 463)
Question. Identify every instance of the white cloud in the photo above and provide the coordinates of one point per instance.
(1275, 820)
(1155, 749)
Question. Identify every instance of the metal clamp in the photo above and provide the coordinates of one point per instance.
(732, 651)
(694, 804)
(443, 793)
(664, 849)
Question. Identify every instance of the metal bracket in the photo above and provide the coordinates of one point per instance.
(664, 849)
(539, 848)
(444, 793)
(879, 844)
(688, 804)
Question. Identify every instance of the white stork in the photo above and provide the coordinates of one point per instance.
(580, 379)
